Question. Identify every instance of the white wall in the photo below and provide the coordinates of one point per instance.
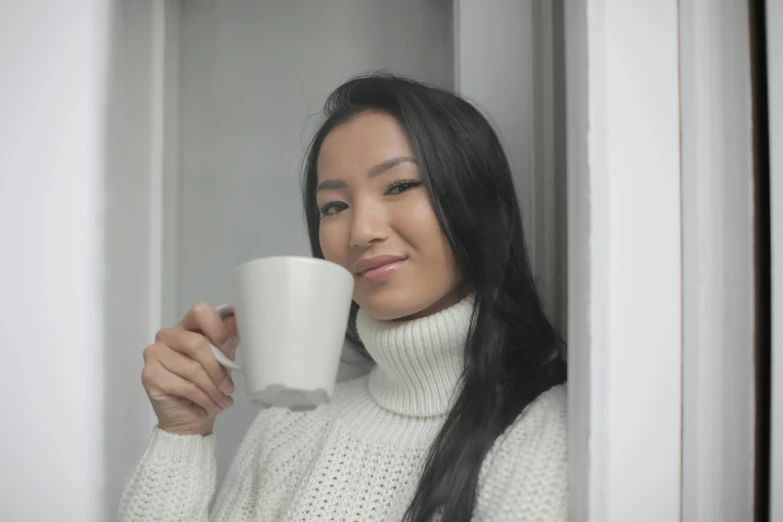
(624, 260)
(80, 274)
(252, 79)
(52, 303)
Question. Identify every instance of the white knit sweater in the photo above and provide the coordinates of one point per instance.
(360, 457)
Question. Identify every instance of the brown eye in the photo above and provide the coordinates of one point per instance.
(401, 186)
(332, 208)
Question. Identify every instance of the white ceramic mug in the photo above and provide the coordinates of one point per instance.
(291, 315)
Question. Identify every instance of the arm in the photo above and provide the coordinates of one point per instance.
(188, 389)
(173, 481)
(525, 476)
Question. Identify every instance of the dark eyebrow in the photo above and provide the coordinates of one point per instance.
(383, 166)
(331, 184)
(377, 170)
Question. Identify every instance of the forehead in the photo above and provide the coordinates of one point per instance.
(361, 143)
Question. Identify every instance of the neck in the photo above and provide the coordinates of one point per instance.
(419, 361)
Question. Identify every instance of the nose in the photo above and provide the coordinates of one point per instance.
(369, 226)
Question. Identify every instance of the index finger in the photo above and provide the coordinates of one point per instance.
(204, 318)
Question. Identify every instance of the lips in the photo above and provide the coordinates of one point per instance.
(366, 265)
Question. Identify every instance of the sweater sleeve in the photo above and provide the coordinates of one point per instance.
(525, 475)
(173, 481)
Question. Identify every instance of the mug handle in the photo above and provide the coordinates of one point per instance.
(225, 311)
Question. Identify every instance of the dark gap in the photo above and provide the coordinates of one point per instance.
(763, 279)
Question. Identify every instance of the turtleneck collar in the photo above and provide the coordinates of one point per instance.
(419, 362)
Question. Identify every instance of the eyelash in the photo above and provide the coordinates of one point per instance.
(408, 183)
(324, 210)
(405, 184)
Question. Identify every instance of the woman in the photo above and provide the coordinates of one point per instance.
(463, 416)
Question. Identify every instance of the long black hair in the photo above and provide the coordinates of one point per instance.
(512, 353)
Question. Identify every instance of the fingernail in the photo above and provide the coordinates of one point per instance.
(227, 386)
(226, 402)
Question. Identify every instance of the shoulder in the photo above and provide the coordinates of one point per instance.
(540, 428)
(526, 470)
(547, 412)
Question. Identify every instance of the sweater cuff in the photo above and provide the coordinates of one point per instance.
(182, 449)
(173, 481)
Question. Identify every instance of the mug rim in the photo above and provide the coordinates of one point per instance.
(297, 259)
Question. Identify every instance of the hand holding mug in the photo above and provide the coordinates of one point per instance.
(186, 385)
(290, 315)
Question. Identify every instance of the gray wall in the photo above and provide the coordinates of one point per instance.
(252, 77)
(510, 63)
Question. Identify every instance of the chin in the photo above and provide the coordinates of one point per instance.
(388, 313)
(389, 305)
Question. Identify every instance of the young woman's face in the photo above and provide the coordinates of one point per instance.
(377, 221)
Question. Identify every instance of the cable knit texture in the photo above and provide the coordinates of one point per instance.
(360, 457)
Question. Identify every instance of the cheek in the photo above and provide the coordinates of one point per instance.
(421, 221)
(425, 234)
(333, 242)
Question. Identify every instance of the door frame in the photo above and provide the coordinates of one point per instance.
(624, 229)
(719, 306)
(614, 371)
(700, 381)
(774, 32)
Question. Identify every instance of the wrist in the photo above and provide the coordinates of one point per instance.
(186, 430)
